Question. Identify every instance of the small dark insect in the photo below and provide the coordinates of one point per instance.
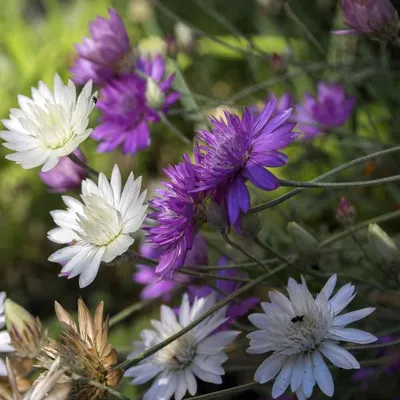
(94, 98)
(298, 318)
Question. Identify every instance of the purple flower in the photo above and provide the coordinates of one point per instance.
(238, 150)
(66, 175)
(179, 214)
(224, 288)
(330, 109)
(127, 106)
(105, 54)
(286, 101)
(377, 18)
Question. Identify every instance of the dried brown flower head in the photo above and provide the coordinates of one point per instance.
(84, 351)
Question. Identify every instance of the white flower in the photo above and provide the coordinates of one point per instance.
(98, 229)
(5, 341)
(299, 331)
(49, 126)
(198, 353)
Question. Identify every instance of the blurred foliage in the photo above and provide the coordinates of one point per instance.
(36, 40)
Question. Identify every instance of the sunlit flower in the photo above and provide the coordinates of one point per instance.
(84, 351)
(5, 340)
(299, 331)
(238, 149)
(66, 175)
(330, 109)
(130, 104)
(105, 54)
(99, 228)
(179, 215)
(164, 288)
(197, 354)
(49, 126)
(377, 18)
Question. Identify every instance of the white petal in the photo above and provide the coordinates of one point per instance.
(342, 298)
(191, 382)
(65, 254)
(206, 376)
(259, 320)
(88, 275)
(298, 373)
(216, 343)
(184, 311)
(352, 335)
(327, 290)
(181, 387)
(168, 316)
(338, 355)
(117, 247)
(345, 319)
(3, 369)
(282, 301)
(308, 379)
(269, 368)
(142, 373)
(322, 374)
(116, 185)
(282, 381)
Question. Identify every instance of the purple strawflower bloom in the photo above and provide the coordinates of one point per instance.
(66, 175)
(377, 18)
(163, 288)
(128, 107)
(224, 288)
(285, 101)
(104, 55)
(330, 109)
(237, 150)
(179, 213)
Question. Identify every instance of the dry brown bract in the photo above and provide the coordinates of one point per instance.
(84, 352)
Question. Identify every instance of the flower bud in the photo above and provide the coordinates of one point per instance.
(345, 212)
(155, 97)
(26, 332)
(184, 37)
(217, 215)
(384, 249)
(250, 225)
(304, 242)
(376, 18)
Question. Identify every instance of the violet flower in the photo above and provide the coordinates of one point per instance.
(284, 102)
(330, 109)
(163, 288)
(105, 54)
(224, 288)
(238, 150)
(66, 175)
(179, 214)
(376, 18)
(127, 106)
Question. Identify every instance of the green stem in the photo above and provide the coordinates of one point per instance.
(173, 128)
(202, 275)
(129, 311)
(373, 346)
(149, 352)
(82, 164)
(137, 258)
(339, 185)
(227, 392)
(332, 172)
(241, 249)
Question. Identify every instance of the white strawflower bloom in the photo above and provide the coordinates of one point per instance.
(299, 330)
(99, 228)
(49, 126)
(5, 340)
(199, 353)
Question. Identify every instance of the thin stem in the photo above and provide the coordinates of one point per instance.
(100, 386)
(82, 164)
(361, 246)
(227, 392)
(173, 128)
(127, 312)
(137, 258)
(240, 248)
(374, 346)
(202, 275)
(332, 172)
(149, 352)
(339, 185)
(341, 235)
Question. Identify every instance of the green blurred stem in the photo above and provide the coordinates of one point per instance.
(127, 312)
(133, 256)
(82, 164)
(173, 128)
(339, 185)
(332, 172)
(373, 346)
(202, 275)
(147, 353)
(227, 392)
(240, 248)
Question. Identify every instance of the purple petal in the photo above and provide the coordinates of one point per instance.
(260, 177)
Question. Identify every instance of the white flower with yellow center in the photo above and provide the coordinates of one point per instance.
(299, 331)
(99, 228)
(49, 126)
(199, 353)
(5, 340)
